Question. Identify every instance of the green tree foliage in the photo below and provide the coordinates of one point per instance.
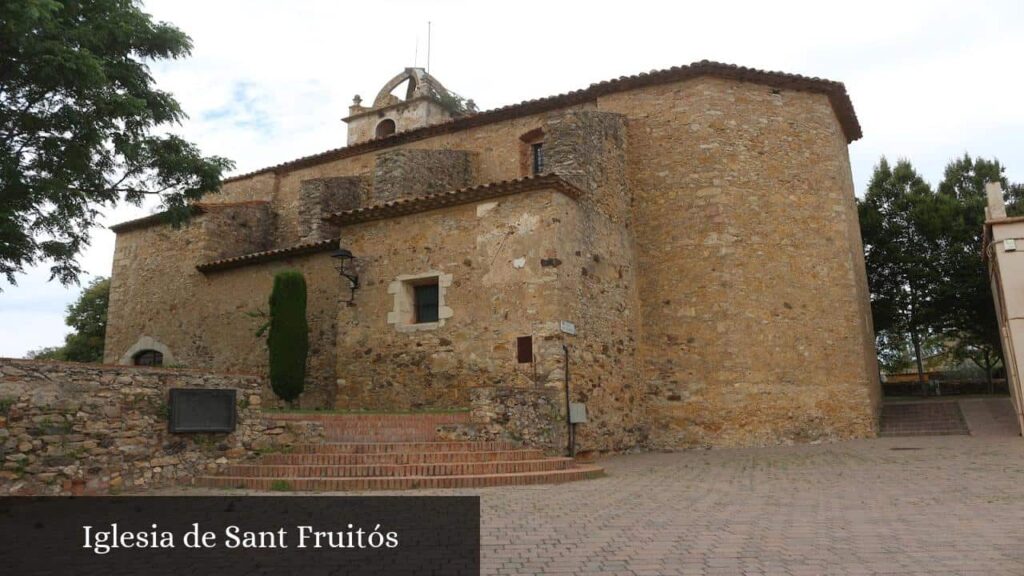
(965, 297)
(77, 108)
(88, 317)
(288, 335)
(901, 220)
(929, 285)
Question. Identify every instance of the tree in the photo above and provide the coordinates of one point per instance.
(77, 108)
(900, 220)
(1013, 195)
(969, 315)
(88, 317)
(288, 336)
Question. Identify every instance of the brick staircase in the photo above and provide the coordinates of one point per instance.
(395, 452)
(922, 418)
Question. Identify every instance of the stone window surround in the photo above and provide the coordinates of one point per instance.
(401, 314)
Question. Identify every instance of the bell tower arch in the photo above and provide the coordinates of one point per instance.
(424, 101)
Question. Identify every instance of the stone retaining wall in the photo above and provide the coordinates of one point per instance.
(534, 416)
(68, 428)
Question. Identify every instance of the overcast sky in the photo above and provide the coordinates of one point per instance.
(269, 81)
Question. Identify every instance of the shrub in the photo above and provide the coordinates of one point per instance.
(288, 335)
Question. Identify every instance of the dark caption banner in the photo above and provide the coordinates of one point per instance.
(229, 536)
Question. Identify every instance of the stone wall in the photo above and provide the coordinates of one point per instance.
(409, 173)
(516, 266)
(73, 428)
(235, 229)
(599, 288)
(210, 321)
(492, 254)
(533, 416)
(755, 320)
(587, 148)
(320, 197)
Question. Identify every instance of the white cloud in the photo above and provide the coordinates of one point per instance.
(269, 81)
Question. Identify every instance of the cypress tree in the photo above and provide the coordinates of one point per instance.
(288, 338)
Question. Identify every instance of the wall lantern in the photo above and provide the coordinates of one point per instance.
(341, 258)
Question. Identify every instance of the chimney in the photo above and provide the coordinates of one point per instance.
(996, 209)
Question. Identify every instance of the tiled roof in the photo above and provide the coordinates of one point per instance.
(268, 255)
(162, 218)
(835, 91)
(151, 220)
(453, 198)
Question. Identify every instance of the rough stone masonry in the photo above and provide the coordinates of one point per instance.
(697, 225)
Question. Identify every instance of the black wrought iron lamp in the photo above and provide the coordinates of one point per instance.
(341, 258)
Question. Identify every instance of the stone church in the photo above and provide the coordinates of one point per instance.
(684, 242)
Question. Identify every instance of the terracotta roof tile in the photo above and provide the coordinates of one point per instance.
(836, 92)
(268, 255)
(151, 220)
(453, 198)
(196, 208)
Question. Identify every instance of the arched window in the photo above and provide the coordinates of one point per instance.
(148, 358)
(385, 128)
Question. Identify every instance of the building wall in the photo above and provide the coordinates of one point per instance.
(713, 266)
(210, 321)
(518, 265)
(407, 173)
(1006, 273)
(230, 230)
(755, 320)
(499, 290)
(320, 197)
(497, 148)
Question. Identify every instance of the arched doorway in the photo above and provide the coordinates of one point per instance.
(148, 358)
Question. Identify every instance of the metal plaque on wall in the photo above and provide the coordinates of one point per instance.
(202, 410)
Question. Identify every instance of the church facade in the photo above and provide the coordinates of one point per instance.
(683, 242)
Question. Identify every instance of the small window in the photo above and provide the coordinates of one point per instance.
(524, 349)
(385, 128)
(537, 154)
(425, 302)
(149, 358)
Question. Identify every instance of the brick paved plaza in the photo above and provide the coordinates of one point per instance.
(921, 505)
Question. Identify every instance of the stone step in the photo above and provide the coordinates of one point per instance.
(393, 470)
(923, 418)
(579, 472)
(333, 419)
(369, 427)
(401, 457)
(403, 447)
(390, 436)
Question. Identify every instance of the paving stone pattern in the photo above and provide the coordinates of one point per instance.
(922, 505)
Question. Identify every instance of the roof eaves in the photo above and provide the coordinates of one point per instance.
(152, 220)
(836, 92)
(454, 198)
(267, 255)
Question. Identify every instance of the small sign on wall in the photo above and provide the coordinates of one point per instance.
(577, 413)
(567, 327)
(202, 410)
